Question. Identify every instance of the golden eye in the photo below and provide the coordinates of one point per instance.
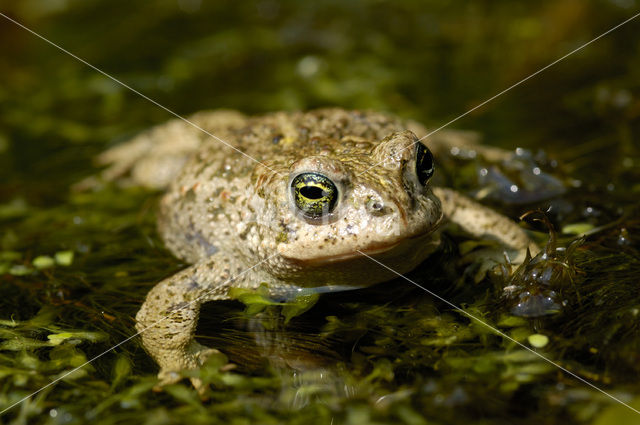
(314, 194)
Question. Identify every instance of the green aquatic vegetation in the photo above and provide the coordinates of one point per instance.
(538, 340)
(43, 262)
(62, 258)
(258, 300)
(536, 287)
(410, 358)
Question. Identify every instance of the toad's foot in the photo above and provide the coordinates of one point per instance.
(174, 362)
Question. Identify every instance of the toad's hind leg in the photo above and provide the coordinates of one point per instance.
(154, 157)
(167, 319)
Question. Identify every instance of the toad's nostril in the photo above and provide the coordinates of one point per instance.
(377, 208)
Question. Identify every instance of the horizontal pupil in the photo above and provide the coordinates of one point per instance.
(312, 192)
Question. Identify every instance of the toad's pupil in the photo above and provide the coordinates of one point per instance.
(312, 192)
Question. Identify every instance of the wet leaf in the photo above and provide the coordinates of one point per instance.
(121, 371)
(43, 262)
(298, 306)
(64, 258)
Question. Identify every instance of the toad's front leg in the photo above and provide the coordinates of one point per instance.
(167, 319)
(483, 222)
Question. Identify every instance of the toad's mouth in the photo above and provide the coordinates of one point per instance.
(370, 250)
(374, 249)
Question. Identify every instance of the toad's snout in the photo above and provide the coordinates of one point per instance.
(386, 208)
(378, 207)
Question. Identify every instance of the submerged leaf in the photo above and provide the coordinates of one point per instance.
(538, 340)
(64, 258)
(121, 370)
(59, 338)
(298, 306)
(43, 262)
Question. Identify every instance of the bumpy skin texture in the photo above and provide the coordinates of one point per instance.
(235, 219)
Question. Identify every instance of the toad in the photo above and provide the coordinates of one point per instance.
(293, 200)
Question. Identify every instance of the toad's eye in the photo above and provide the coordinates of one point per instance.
(314, 194)
(424, 163)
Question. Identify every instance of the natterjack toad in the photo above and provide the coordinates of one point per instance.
(312, 190)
